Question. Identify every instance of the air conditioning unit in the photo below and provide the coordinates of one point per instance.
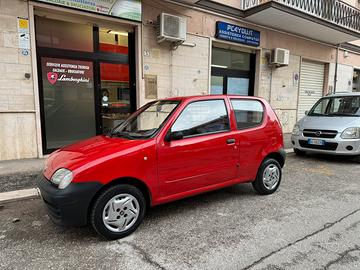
(280, 57)
(171, 28)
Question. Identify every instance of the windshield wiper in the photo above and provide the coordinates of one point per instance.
(126, 134)
(121, 134)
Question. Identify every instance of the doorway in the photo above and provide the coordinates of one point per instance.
(86, 80)
(232, 72)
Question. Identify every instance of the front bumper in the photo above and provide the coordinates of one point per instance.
(68, 206)
(336, 146)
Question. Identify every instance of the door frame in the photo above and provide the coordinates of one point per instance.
(96, 57)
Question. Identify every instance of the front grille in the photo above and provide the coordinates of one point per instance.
(328, 145)
(316, 133)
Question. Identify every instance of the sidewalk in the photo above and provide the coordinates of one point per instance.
(19, 174)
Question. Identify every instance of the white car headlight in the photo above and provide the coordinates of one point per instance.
(62, 178)
(296, 130)
(351, 133)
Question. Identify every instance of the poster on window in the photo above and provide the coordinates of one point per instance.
(126, 9)
(74, 72)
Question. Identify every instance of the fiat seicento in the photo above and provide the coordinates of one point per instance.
(167, 150)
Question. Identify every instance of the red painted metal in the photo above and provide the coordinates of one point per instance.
(173, 170)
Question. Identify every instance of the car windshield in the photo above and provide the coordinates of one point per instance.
(146, 121)
(337, 106)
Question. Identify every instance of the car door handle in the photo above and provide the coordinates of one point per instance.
(230, 141)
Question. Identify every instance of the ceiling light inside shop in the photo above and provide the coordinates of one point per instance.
(117, 33)
(219, 66)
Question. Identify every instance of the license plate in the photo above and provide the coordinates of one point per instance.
(316, 142)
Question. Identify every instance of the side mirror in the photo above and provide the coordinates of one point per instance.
(306, 112)
(174, 136)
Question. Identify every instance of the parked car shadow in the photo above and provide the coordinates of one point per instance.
(332, 158)
(86, 235)
(240, 191)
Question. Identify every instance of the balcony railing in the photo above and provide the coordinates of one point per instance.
(333, 11)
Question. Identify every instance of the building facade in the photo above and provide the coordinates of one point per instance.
(70, 70)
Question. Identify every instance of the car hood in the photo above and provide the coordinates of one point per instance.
(329, 123)
(84, 153)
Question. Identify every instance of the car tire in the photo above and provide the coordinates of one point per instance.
(118, 211)
(268, 177)
(299, 152)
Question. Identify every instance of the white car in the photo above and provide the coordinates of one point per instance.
(332, 126)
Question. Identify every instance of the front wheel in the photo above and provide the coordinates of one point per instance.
(118, 211)
(268, 177)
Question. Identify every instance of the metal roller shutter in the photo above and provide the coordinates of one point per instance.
(311, 85)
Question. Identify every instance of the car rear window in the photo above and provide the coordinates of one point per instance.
(248, 113)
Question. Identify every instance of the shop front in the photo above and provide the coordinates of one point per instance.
(233, 67)
(86, 76)
(232, 72)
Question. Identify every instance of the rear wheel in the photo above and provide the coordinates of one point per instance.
(268, 177)
(299, 152)
(118, 211)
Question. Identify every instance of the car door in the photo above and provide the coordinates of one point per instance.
(252, 136)
(206, 155)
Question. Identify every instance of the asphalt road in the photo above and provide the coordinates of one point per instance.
(312, 222)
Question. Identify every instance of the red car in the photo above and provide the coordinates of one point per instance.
(167, 150)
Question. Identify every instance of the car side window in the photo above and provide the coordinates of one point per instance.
(248, 113)
(202, 117)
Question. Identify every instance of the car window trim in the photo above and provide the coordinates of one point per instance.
(262, 118)
(208, 133)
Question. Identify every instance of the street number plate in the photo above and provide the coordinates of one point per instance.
(316, 142)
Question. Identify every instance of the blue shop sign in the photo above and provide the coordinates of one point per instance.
(234, 33)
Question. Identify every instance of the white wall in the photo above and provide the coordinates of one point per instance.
(279, 86)
(180, 72)
(344, 77)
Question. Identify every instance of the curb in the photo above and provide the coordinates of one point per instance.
(19, 195)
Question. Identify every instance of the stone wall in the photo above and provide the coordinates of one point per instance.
(17, 110)
(278, 85)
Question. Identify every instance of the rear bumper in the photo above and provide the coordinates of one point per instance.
(336, 146)
(68, 206)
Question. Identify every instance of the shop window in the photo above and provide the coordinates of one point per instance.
(217, 85)
(202, 117)
(68, 100)
(113, 41)
(115, 101)
(85, 85)
(356, 80)
(238, 86)
(232, 72)
(63, 35)
(248, 113)
(230, 59)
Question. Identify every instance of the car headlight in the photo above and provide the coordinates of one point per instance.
(62, 178)
(351, 133)
(296, 131)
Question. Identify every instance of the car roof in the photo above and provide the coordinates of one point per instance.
(342, 94)
(204, 97)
